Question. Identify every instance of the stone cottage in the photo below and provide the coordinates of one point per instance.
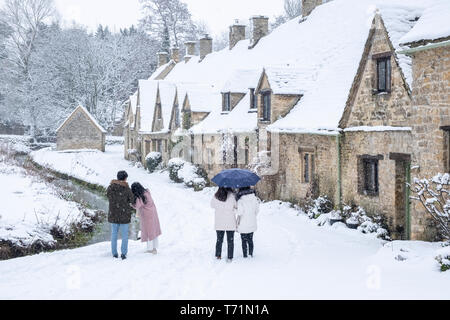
(80, 131)
(349, 110)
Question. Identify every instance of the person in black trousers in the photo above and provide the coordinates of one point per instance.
(224, 204)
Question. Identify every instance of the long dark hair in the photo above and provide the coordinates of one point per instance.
(222, 194)
(138, 192)
(243, 192)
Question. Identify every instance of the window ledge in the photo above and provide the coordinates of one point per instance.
(264, 121)
(380, 93)
(225, 112)
(253, 111)
(371, 194)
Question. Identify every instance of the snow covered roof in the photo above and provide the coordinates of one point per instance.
(203, 98)
(87, 113)
(167, 91)
(161, 69)
(238, 120)
(147, 102)
(317, 57)
(334, 66)
(241, 80)
(286, 80)
(133, 102)
(433, 24)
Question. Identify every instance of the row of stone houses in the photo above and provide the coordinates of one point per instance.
(349, 101)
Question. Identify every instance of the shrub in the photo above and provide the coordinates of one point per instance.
(443, 258)
(153, 161)
(174, 166)
(192, 176)
(319, 206)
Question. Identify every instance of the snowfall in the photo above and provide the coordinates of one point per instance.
(294, 258)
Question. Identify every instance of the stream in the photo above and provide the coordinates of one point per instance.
(92, 199)
(95, 201)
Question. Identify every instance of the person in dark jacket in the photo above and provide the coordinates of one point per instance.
(120, 198)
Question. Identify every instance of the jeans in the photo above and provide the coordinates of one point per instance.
(230, 241)
(247, 240)
(124, 233)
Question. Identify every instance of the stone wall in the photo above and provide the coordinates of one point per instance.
(431, 99)
(80, 133)
(288, 183)
(309, 5)
(237, 33)
(369, 108)
(209, 151)
(381, 145)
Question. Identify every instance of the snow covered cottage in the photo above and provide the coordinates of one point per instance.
(349, 101)
(80, 131)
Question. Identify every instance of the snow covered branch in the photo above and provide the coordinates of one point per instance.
(434, 195)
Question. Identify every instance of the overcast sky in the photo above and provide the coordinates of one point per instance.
(218, 14)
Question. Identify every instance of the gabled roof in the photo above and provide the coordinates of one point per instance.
(203, 98)
(89, 116)
(159, 73)
(147, 102)
(433, 24)
(242, 80)
(167, 91)
(343, 28)
(322, 52)
(285, 80)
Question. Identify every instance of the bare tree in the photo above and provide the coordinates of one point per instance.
(292, 8)
(25, 18)
(434, 195)
(172, 16)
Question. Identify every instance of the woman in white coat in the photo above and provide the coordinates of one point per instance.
(224, 203)
(247, 210)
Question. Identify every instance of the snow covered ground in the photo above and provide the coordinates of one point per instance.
(294, 258)
(30, 208)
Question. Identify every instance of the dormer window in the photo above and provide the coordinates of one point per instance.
(266, 106)
(227, 102)
(384, 74)
(253, 99)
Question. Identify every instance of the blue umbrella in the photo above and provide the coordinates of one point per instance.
(236, 178)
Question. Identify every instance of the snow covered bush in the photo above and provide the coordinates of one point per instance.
(174, 166)
(443, 258)
(434, 195)
(134, 155)
(355, 217)
(192, 176)
(153, 161)
(319, 206)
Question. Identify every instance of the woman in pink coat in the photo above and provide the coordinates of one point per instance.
(144, 205)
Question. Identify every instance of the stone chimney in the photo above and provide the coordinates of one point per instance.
(309, 5)
(237, 33)
(205, 46)
(163, 58)
(175, 54)
(190, 50)
(260, 28)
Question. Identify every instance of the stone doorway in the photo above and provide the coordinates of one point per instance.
(401, 224)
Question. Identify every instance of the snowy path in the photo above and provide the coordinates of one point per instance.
(294, 259)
